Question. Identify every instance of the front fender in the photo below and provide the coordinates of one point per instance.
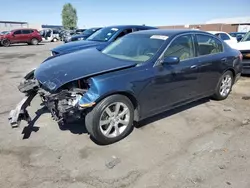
(99, 91)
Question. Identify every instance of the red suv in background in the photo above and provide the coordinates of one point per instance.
(30, 36)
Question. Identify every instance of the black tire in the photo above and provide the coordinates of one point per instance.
(54, 40)
(34, 41)
(92, 119)
(5, 42)
(217, 95)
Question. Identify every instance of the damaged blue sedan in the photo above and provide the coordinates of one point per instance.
(135, 77)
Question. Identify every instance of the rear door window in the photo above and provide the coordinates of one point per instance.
(26, 31)
(208, 45)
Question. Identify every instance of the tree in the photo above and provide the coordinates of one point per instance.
(69, 16)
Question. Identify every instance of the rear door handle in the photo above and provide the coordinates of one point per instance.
(223, 60)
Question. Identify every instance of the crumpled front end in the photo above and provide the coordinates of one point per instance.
(66, 84)
(63, 104)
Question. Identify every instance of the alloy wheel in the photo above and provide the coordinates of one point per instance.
(226, 85)
(114, 119)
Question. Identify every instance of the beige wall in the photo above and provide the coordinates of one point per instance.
(8, 27)
(206, 27)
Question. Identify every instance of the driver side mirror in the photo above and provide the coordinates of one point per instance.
(171, 60)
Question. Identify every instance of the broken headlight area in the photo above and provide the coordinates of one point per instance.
(63, 103)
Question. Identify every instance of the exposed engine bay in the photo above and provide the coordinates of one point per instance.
(62, 104)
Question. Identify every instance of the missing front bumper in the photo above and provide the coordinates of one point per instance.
(20, 113)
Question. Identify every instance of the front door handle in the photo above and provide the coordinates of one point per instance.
(193, 67)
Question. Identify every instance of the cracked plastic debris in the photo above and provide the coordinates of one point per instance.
(113, 162)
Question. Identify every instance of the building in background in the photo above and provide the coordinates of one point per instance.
(241, 24)
(10, 25)
(44, 26)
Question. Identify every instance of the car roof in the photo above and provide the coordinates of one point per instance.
(214, 32)
(23, 29)
(168, 32)
(130, 26)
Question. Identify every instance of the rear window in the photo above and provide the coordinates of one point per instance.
(232, 34)
(224, 36)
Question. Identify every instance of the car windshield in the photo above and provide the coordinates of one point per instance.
(103, 35)
(246, 37)
(4, 32)
(89, 31)
(139, 48)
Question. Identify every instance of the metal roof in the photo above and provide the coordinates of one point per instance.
(12, 22)
(51, 26)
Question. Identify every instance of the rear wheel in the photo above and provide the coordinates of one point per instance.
(6, 43)
(34, 41)
(224, 86)
(54, 40)
(110, 120)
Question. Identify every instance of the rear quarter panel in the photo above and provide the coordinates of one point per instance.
(234, 62)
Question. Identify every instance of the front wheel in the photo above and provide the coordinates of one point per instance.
(224, 86)
(111, 119)
(6, 43)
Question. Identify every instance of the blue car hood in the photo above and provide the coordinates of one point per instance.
(78, 45)
(55, 72)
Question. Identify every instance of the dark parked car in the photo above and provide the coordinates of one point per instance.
(65, 34)
(100, 38)
(137, 76)
(237, 35)
(30, 36)
(79, 31)
(82, 36)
